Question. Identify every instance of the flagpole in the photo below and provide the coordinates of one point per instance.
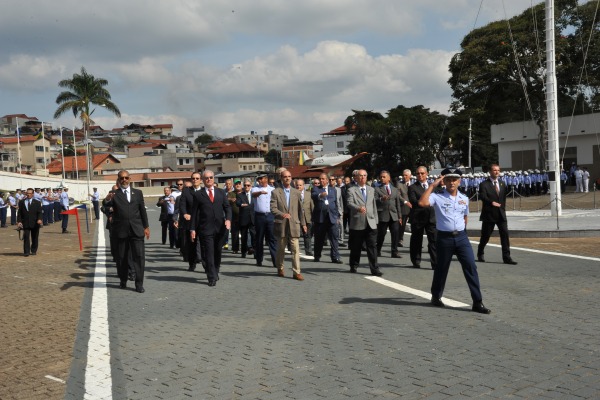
(19, 150)
(62, 152)
(75, 150)
(44, 146)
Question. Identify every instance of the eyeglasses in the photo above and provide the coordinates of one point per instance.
(421, 173)
(180, 184)
(247, 185)
(124, 178)
(195, 179)
(209, 177)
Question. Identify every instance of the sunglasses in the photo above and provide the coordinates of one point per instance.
(209, 177)
(124, 178)
(247, 185)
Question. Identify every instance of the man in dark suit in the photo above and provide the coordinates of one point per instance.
(492, 193)
(211, 219)
(388, 203)
(190, 250)
(113, 242)
(29, 218)
(406, 205)
(325, 217)
(130, 225)
(246, 216)
(422, 219)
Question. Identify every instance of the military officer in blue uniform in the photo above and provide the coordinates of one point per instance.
(451, 213)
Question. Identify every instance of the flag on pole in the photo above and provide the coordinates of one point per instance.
(301, 158)
(73, 211)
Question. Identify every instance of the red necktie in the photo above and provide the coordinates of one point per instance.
(211, 196)
(388, 189)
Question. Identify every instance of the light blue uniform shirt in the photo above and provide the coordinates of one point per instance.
(450, 211)
(262, 203)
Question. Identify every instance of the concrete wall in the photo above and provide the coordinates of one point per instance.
(77, 189)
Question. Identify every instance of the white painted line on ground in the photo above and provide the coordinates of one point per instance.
(550, 253)
(98, 380)
(416, 292)
(54, 378)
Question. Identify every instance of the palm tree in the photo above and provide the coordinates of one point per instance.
(84, 89)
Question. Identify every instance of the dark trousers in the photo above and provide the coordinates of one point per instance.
(57, 210)
(132, 255)
(264, 231)
(96, 205)
(13, 216)
(329, 230)
(235, 236)
(369, 237)
(416, 243)
(486, 231)
(114, 246)
(247, 230)
(402, 228)
(308, 238)
(212, 247)
(47, 212)
(65, 220)
(169, 227)
(448, 245)
(3, 213)
(382, 229)
(30, 239)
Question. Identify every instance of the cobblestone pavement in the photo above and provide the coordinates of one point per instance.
(336, 335)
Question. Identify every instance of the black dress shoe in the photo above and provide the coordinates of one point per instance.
(510, 261)
(480, 258)
(192, 267)
(416, 265)
(309, 253)
(376, 272)
(378, 253)
(396, 255)
(243, 255)
(26, 255)
(212, 283)
(480, 308)
(140, 289)
(316, 259)
(353, 269)
(33, 253)
(338, 261)
(131, 277)
(437, 302)
(258, 264)
(123, 285)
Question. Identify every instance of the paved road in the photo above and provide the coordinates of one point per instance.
(339, 335)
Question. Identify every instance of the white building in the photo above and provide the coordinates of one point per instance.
(578, 143)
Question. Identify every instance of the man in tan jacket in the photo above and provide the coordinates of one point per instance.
(286, 206)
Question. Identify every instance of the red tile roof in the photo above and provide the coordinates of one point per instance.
(341, 131)
(13, 139)
(229, 148)
(80, 161)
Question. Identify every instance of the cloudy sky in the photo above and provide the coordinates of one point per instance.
(294, 67)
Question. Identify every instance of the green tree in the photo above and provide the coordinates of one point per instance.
(499, 75)
(84, 90)
(405, 138)
(204, 139)
(118, 143)
(273, 157)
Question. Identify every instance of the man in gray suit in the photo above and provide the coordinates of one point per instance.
(406, 205)
(363, 223)
(307, 207)
(286, 207)
(388, 202)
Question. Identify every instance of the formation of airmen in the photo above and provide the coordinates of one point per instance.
(53, 202)
(532, 182)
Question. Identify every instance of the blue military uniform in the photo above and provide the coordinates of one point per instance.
(452, 239)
